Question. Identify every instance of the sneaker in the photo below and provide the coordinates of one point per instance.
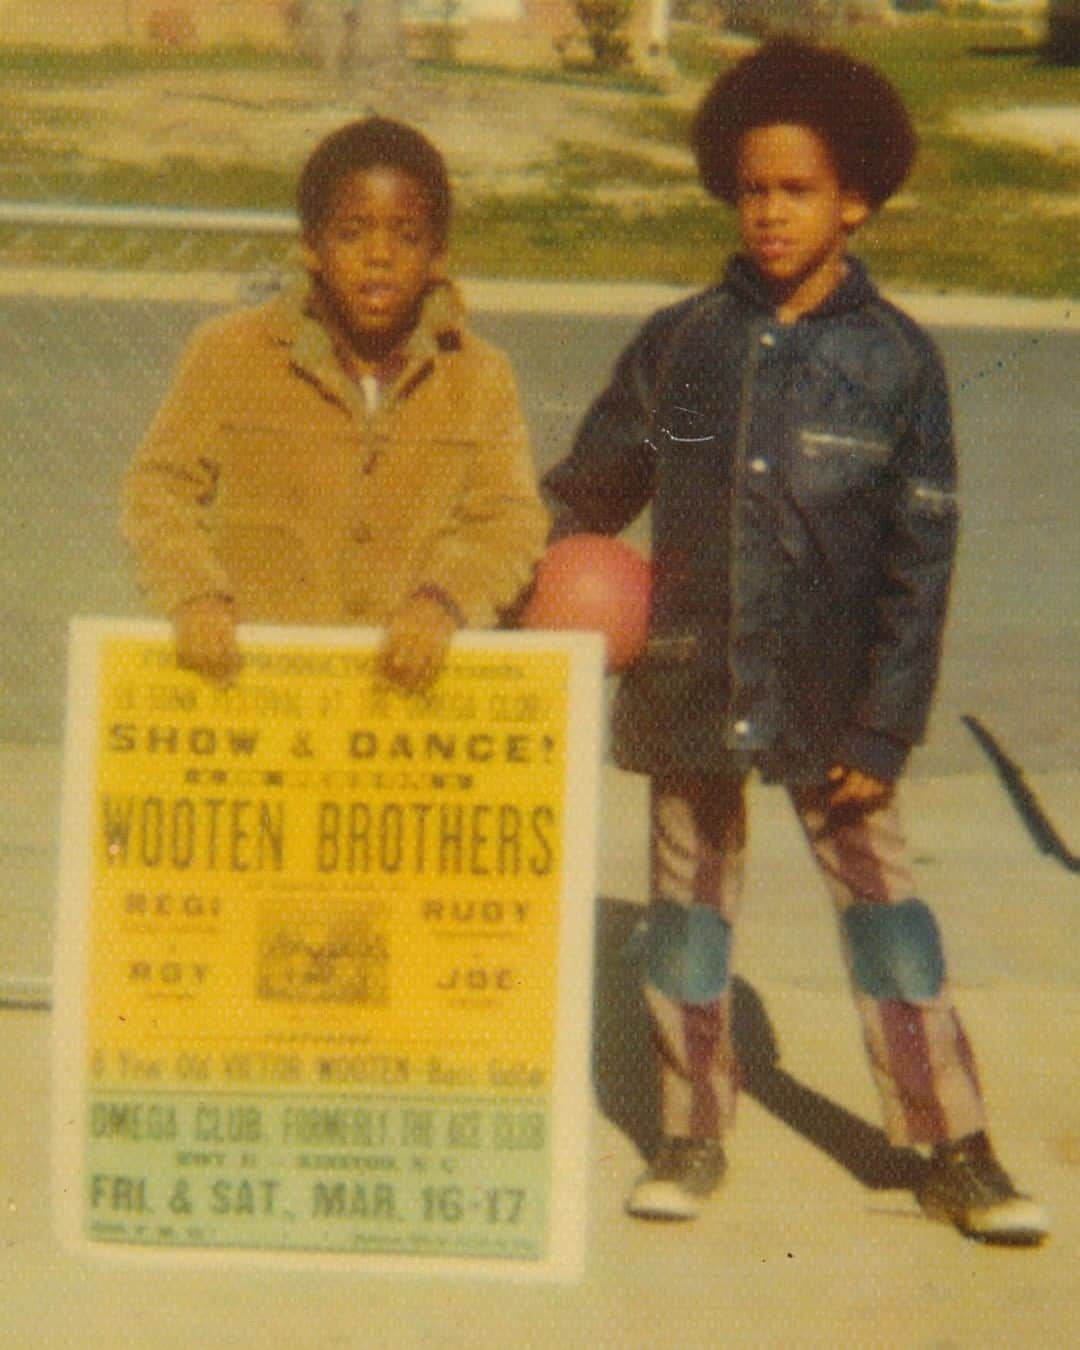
(682, 1175)
(965, 1185)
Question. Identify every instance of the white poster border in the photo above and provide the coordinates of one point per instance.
(571, 1113)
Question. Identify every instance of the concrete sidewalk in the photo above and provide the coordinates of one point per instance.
(812, 1243)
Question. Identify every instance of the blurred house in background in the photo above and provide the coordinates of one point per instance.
(501, 32)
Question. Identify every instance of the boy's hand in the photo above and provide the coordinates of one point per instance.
(205, 631)
(852, 792)
(416, 642)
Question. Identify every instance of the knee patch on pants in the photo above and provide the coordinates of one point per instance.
(686, 951)
(895, 950)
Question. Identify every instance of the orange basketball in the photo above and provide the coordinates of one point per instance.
(592, 583)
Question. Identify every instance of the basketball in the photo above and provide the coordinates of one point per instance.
(592, 583)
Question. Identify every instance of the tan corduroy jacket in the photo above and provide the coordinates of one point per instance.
(265, 478)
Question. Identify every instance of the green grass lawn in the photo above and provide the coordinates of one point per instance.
(966, 220)
(975, 215)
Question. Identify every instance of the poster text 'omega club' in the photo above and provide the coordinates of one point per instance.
(325, 951)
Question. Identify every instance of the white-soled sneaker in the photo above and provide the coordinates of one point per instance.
(966, 1186)
(680, 1178)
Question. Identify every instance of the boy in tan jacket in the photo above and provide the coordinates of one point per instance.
(347, 453)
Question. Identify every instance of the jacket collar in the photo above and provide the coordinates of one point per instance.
(854, 291)
(294, 322)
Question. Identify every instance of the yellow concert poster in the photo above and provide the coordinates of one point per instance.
(324, 953)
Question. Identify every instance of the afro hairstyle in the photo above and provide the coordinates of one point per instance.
(857, 113)
(373, 142)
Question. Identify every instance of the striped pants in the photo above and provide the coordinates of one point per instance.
(920, 1057)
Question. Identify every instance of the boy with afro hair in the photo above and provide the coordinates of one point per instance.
(348, 452)
(791, 430)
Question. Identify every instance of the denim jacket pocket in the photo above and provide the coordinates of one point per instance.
(830, 463)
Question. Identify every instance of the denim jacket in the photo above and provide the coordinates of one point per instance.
(802, 484)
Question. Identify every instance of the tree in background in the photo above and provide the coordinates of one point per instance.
(1063, 32)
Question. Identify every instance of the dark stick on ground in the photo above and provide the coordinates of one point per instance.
(1022, 797)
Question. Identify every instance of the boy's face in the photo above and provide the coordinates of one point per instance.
(794, 216)
(375, 255)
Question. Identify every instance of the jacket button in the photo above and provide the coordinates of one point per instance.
(759, 465)
(768, 339)
(742, 727)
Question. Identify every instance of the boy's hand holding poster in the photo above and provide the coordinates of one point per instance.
(324, 957)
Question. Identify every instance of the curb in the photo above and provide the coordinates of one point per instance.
(583, 299)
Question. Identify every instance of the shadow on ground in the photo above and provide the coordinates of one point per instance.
(626, 1082)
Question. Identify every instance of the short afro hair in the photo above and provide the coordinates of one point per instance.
(374, 142)
(853, 108)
